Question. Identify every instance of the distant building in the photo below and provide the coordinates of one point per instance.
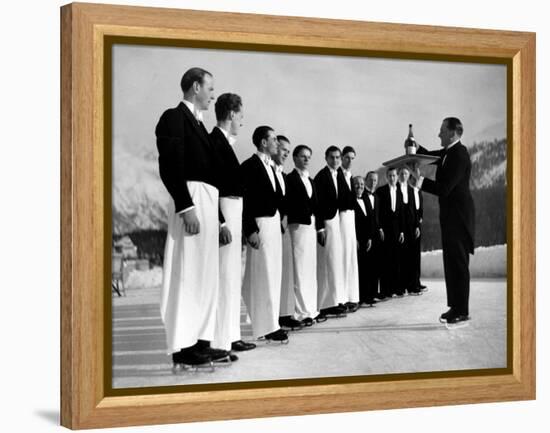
(126, 247)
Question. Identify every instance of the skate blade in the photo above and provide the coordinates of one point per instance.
(183, 368)
(459, 325)
(223, 362)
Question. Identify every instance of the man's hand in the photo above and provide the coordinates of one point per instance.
(381, 235)
(191, 223)
(401, 238)
(417, 233)
(322, 238)
(254, 240)
(225, 236)
(369, 245)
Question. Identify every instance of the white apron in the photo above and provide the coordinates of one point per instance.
(189, 294)
(262, 277)
(228, 316)
(288, 300)
(349, 247)
(304, 253)
(330, 269)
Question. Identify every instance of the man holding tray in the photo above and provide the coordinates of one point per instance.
(456, 216)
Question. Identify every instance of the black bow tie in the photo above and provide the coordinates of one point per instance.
(370, 193)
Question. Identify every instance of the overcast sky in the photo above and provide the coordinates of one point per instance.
(312, 99)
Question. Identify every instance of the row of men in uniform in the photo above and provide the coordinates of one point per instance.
(331, 232)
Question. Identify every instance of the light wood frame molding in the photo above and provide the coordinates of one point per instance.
(84, 162)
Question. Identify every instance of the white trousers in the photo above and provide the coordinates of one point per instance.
(262, 277)
(228, 317)
(304, 254)
(288, 299)
(349, 249)
(189, 294)
(330, 269)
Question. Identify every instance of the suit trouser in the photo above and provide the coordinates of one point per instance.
(389, 281)
(288, 299)
(228, 317)
(368, 273)
(407, 261)
(330, 266)
(456, 259)
(417, 254)
(304, 254)
(262, 278)
(189, 294)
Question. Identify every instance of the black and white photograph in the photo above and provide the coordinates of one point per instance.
(283, 216)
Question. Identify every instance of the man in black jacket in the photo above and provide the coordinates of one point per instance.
(262, 203)
(188, 170)
(391, 223)
(456, 216)
(411, 230)
(301, 200)
(365, 232)
(229, 115)
(330, 266)
(373, 255)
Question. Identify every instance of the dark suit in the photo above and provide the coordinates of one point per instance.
(259, 198)
(185, 154)
(418, 242)
(327, 197)
(407, 248)
(365, 229)
(228, 169)
(391, 222)
(374, 255)
(457, 220)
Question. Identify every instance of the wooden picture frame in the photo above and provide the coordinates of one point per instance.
(85, 220)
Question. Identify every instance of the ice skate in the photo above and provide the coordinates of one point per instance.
(277, 336)
(191, 362)
(288, 322)
(335, 312)
(457, 321)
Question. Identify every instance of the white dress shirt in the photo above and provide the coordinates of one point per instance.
(416, 198)
(393, 196)
(362, 205)
(347, 176)
(304, 176)
(230, 138)
(371, 198)
(280, 178)
(266, 159)
(334, 173)
(404, 192)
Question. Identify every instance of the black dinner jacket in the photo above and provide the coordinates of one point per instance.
(390, 221)
(373, 213)
(364, 223)
(259, 198)
(185, 154)
(299, 206)
(228, 169)
(327, 198)
(409, 213)
(452, 186)
(346, 196)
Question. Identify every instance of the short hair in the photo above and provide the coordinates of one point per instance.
(454, 124)
(390, 168)
(283, 138)
(355, 178)
(331, 149)
(299, 148)
(192, 75)
(225, 104)
(260, 133)
(348, 149)
(403, 167)
(371, 172)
